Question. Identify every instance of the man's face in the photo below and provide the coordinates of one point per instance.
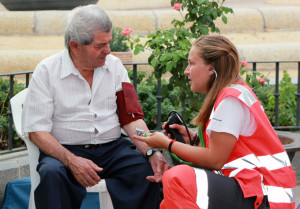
(94, 55)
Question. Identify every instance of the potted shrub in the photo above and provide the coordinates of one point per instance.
(29, 5)
(119, 44)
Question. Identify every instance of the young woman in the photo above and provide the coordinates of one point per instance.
(254, 170)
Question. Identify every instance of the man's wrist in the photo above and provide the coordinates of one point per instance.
(151, 151)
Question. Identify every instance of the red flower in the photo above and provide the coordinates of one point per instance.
(177, 6)
(126, 31)
(244, 63)
(261, 80)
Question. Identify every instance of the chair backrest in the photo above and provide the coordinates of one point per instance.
(16, 104)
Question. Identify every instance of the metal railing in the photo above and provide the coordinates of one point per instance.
(159, 97)
(276, 94)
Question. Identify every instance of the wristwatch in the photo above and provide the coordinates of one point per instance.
(151, 151)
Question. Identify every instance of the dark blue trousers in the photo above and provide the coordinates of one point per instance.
(124, 170)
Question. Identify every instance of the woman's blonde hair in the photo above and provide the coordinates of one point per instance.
(219, 52)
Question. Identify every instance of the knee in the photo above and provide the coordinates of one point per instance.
(177, 175)
(52, 171)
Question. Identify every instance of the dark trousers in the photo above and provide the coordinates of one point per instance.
(182, 187)
(124, 170)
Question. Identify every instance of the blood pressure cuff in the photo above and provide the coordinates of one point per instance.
(129, 107)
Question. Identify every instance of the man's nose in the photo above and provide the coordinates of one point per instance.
(107, 50)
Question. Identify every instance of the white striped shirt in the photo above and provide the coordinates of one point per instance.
(60, 101)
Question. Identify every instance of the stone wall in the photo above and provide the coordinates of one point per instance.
(12, 166)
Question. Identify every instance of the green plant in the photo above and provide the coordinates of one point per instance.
(287, 103)
(170, 47)
(259, 83)
(120, 40)
(4, 109)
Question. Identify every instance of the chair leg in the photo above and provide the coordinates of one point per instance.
(105, 200)
(31, 200)
(104, 197)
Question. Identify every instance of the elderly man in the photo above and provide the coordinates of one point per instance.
(70, 113)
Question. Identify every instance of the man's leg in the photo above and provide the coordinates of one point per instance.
(57, 189)
(125, 172)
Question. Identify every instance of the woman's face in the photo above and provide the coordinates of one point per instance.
(198, 72)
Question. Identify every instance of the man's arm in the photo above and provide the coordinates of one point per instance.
(84, 170)
(157, 160)
(130, 130)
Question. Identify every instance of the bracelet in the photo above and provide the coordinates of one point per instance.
(170, 145)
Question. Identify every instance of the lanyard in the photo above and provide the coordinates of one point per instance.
(201, 138)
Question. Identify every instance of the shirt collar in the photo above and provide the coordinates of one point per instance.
(68, 67)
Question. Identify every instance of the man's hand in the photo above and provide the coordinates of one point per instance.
(159, 166)
(84, 171)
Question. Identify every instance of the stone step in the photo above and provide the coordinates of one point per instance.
(23, 53)
(261, 31)
(244, 20)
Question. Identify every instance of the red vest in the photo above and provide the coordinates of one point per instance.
(259, 162)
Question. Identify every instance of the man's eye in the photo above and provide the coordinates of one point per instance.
(100, 46)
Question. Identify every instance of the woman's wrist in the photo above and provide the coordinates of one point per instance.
(170, 145)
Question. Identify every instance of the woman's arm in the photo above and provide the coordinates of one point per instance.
(220, 147)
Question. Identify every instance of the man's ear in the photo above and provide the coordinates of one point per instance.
(73, 45)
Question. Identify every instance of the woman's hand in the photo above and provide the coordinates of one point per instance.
(156, 140)
(181, 129)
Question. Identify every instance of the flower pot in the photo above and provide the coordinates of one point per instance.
(125, 57)
(290, 141)
(28, 5)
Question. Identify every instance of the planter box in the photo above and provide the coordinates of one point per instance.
(125, 57)
(29, 5)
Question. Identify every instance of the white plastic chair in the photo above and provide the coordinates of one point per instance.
(16, 104)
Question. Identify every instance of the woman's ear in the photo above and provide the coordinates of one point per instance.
(211, 70)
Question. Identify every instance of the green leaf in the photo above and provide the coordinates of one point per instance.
(199, 2)
(194, 10)
(224, 19)
(165, 57)
(204, 30)
(154, 63)
(215, 14)
(169, 66)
